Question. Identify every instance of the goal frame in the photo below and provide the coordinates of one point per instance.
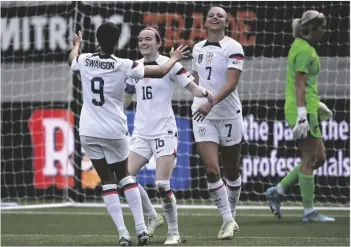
(74, 196)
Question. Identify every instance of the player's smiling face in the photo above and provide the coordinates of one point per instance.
(216, 19)
(147, 42)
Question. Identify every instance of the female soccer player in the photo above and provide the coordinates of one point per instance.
(103, 125)
(155, 131)
(217, 65)
(303, 112)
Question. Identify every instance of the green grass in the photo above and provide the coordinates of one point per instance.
(31, 201)
(93, 226)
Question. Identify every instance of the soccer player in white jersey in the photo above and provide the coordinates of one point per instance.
(218, 125)
(103, 125)
(155, 131)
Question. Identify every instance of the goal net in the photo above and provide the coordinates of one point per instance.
(42, 162)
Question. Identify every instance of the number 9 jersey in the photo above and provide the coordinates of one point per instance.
(211, 60)
(103, 81)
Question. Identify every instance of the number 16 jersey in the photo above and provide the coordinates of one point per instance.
(211, 60)
(154, 114)
(103, 81)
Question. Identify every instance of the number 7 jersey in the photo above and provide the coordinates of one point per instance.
(211, 60)
(103, 82)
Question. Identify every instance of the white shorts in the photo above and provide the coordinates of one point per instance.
(166, 145)
(225, 132)
(113, 150)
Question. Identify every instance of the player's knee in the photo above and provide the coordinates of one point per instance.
(213, 174)
(121, 176)
(120, 171)
(108, 181)
(163, 187)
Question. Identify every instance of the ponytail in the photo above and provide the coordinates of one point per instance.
(296, 28)
(310, 19)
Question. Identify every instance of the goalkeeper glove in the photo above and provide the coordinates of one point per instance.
(301, 127)
(324, 112)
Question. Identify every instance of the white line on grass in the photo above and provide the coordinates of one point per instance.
(128, 213)
(194, 207)
(198, 237)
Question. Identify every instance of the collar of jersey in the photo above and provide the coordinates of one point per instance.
(150, 63)
(307, 41)
(212, 43)
(102, 56)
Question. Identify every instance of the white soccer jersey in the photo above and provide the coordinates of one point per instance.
(103, 81)
(154, 114)
(211, 60)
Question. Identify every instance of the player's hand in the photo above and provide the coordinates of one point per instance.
(324, 112)
(209, 95)
(77, 38)
(179, 53)
(202, 111)
(302, 126)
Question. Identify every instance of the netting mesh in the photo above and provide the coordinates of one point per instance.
(41, 101)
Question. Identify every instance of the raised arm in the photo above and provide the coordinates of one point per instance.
(156, 71)
(76, 45)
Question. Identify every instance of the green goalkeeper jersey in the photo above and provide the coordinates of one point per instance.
(302, 58)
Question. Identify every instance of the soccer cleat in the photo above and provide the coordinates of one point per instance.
(153, 224)
(143, 239)
(236, 227)
(316, 216)
(274, 199)
(173, 239)
(227, 230)
(124, 241)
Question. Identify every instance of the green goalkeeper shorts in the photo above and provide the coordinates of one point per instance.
(313, 120)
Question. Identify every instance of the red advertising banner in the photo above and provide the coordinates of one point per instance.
(53, 144)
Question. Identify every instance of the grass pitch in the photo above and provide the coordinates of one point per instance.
(94, 227)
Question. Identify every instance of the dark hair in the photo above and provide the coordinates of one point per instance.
(156, 31)
(107, 36)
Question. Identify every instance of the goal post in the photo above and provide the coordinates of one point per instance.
(42, 162)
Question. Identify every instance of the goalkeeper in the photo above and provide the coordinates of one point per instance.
(303, 110)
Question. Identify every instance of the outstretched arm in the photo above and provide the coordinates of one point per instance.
(199, 91)
(76, 45)
(156, 71)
